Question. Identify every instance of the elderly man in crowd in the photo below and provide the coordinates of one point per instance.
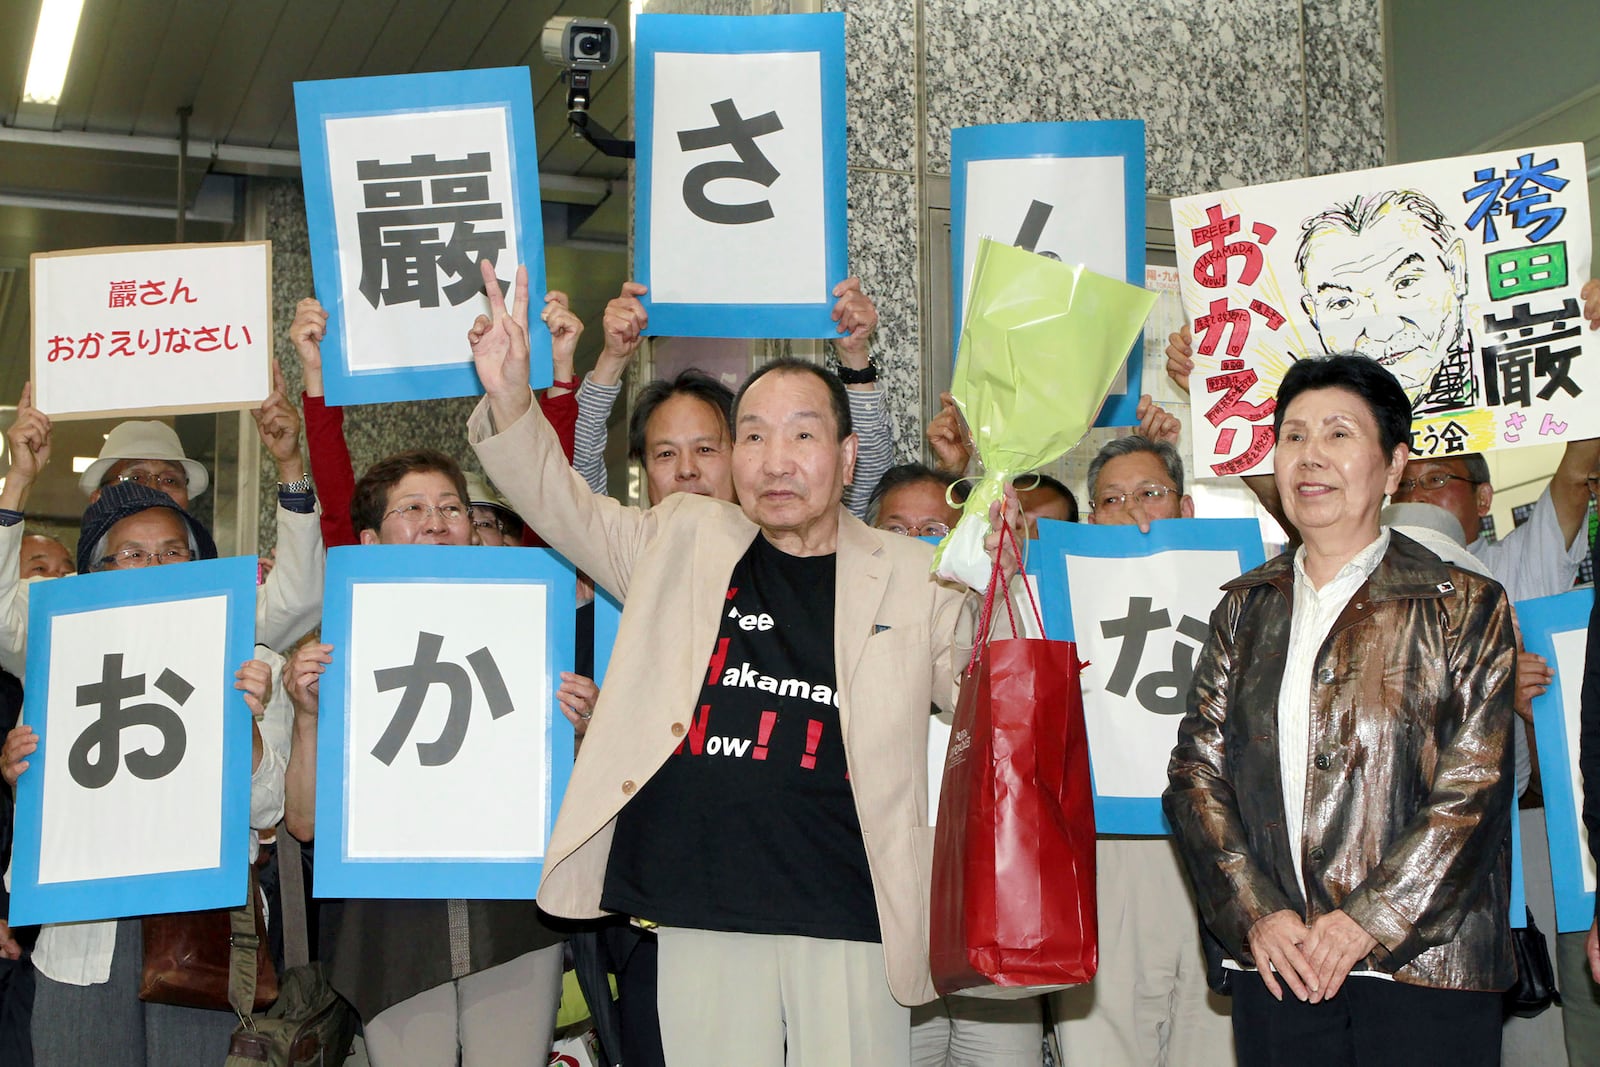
(767, 809)
(1149, 1005)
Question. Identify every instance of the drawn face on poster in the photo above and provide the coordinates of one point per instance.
(1070, 209)
(1386, 276)
(1461, 276)
(414, 223)
(446, 722)
(1141, 622)
(134, 741)
(737, 179)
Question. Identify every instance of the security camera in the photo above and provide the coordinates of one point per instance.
(579, 44)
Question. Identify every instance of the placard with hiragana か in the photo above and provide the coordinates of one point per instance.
(1461, 276)
(156, 329)
(1139, 607)
(137, 799)
(740, 194)
(411, 182)
(442, 754)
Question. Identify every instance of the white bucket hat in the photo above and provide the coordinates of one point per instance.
(143, 440)
(481, 494)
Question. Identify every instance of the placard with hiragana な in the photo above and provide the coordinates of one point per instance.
(740, 195)
(156, 329)
(1139, 607)
(137, 799)
(411, 182)
(442, 753)
(1557, 628)
(1461, 276)
(1073, 191)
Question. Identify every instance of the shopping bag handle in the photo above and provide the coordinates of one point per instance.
(995, 582)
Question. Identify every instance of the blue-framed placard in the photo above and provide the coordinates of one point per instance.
(1557, 627)
(197, 621)
(1050, 187)
(1157, 589)
(762, 275)
(472, 614)
(409, 180)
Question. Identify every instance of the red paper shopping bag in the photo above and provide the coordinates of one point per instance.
(1014, 849)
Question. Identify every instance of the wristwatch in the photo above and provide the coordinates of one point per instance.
(865, 376)
(299, 485)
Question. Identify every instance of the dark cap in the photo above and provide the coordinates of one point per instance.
(121, 500)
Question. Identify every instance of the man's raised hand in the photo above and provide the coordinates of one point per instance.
(499, 343)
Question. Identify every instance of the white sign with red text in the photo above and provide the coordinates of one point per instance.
(160, 329)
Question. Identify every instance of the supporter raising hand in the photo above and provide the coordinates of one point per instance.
(29, 440)
(624, 324)
(306, 332)
(499, 344)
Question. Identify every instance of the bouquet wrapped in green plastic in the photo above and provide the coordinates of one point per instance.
(1040, 347)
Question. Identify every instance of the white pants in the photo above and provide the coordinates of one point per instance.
(742, 998)
(502, 1017)
(1148, 1005)
(978, 1032)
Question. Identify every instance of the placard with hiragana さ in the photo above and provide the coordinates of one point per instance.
(1461, 276)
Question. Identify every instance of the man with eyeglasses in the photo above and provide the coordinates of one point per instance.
(91, 970)
(1149, 1003)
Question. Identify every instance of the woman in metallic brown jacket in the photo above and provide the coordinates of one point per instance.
(1341, 790)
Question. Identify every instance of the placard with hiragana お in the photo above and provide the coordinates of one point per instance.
(442, 754)
(411, 182)
(1461, 276)
(156, 329)
(740, 194)
(137, 799)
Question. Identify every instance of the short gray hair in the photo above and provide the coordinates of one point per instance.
(1128, 446)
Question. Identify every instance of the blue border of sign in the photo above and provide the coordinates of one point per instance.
(316, 103)
(1057, 140)
(607, 618)
(1129, 815)
(221, 886)
(733, 35)
(338, 875)
(1540, 620)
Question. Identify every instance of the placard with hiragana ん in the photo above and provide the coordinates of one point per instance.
(1557, 627)
(1461, 276)
(740, 195)
(1073, 191)
(411, 182)
(157, 329)
(442, 754)
(1139, 607)
(137, 799)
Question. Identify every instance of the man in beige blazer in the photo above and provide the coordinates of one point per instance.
(746, 966)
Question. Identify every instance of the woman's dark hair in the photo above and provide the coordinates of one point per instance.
(1358, 374)
(837, 398)
(691, 382)
(370, 502)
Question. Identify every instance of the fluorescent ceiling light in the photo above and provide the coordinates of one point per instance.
(82, 463)
(52, 51)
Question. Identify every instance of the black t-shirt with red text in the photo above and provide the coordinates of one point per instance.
(750, 826)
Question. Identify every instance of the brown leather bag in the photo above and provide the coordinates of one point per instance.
(190, 956)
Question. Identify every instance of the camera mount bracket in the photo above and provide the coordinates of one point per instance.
(597, 135)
